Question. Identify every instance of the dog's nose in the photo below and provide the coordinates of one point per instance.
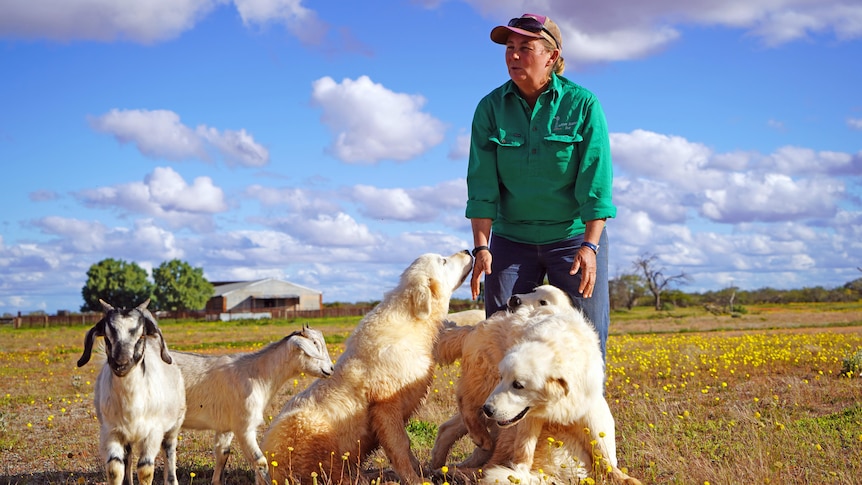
(488, 410)
(514, 301)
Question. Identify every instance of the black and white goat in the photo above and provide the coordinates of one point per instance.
(229, 393)
(140, 399)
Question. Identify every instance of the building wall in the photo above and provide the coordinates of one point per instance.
(241, 299)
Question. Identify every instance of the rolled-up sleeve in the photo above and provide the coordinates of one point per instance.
(595, 172)
(483, 190)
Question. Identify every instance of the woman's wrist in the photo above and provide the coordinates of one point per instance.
(594, 247)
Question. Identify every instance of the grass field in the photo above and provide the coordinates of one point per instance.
(698, 398)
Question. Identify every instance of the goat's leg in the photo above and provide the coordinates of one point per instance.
(248, 444)
(221, 453)
(169, 446)
(116, 458)
(147, 460)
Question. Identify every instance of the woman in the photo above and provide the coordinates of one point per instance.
(539, 178)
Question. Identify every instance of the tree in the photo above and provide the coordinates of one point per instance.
(655, 278)
(625, 290)
(179, 286)
(122, 284)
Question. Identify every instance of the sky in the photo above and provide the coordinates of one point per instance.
(325, 143)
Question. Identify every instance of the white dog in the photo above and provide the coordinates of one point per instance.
(379, 381)
(480, 348)
(552, 385)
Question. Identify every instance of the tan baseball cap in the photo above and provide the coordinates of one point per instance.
(531, 25)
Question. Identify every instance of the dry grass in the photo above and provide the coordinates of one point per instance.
(697, 398)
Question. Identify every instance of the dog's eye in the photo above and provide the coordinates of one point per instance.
(543, 302)
(517, 385)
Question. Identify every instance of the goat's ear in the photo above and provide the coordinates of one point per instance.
(98, 330)
(152, 328)
(306, 345)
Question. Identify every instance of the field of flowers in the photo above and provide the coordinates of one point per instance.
(734, 404)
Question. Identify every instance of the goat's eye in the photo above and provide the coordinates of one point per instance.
(543, 302)
(517, 385)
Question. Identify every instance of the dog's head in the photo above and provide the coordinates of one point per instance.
(541, 296)
(430, 280)
(529, 382)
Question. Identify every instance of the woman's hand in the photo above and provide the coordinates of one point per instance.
(585, 262)
(481, 265)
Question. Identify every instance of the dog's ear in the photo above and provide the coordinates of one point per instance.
(558, 386)
(421, 300)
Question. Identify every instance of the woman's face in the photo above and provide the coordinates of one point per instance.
(528, 60)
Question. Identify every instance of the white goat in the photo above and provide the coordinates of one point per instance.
(229, 393)
(139, 396)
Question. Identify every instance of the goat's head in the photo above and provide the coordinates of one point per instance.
(125, 332)
(314, 356)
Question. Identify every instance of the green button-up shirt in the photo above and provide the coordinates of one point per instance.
(540, 174)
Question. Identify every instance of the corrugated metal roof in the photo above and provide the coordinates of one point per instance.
(222, 290)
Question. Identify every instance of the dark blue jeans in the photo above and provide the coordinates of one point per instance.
(519, 268)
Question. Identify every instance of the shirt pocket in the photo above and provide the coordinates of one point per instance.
(503, 139)
(564, 138)
(564, 148)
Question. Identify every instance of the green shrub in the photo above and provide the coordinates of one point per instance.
(852, 366)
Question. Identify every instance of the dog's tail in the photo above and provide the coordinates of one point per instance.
(450, 343)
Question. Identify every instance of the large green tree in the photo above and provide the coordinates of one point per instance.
(179, 286)
(122, 284)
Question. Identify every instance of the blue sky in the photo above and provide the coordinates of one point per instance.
(325, 142)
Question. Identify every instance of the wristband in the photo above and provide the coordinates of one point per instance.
(479, 248)
(590, 245)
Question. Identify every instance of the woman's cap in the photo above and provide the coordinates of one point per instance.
(530, 25)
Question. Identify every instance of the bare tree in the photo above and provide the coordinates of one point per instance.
(655, 278)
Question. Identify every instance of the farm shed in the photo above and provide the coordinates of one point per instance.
(261, 296)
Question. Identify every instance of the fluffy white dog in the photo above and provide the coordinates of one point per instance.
(379, 381)
(552, 385)
(480, 348)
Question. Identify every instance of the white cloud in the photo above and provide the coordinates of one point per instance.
(299, 200)
(460, 149)
(161, 134)
(771, 198)
(597, 30)
(659, 200)
(300, 21)
(170, 191)
(371, 123)
(237, 147)
(776, 125)
(163, 194)
(156, 134)
(855, 123)
(668, 158)
(420, 204)
(669, 178)
(102, 20)
(81, 239)
(339, 230)
(793, 160)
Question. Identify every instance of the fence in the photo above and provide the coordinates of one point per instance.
(86, 319)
